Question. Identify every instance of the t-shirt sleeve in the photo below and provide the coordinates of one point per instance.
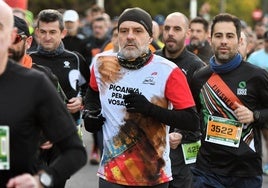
(92, 82)
(178, 91)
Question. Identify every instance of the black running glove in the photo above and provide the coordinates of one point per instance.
(93, 120)
(184, 119)
(137, 103)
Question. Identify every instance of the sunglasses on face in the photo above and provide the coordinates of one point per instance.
(19, 37)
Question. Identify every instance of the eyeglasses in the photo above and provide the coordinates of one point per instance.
(19, 37)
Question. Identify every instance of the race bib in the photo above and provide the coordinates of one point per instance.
(4, 148)
(190, 151)
(223, 131)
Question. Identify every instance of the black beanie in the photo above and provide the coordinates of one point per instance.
(21, 25)
(137, 15)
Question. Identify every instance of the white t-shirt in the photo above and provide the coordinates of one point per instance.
(136, 147)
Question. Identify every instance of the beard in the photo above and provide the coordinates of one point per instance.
(134, 53)
(174, 47)
(195, 43)
(224, 58)
(16, 55)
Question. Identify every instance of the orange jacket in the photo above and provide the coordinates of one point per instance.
(27, 61)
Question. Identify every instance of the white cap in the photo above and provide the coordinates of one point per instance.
(70, 15)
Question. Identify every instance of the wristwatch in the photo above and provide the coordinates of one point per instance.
(45, 179)
(256, 115)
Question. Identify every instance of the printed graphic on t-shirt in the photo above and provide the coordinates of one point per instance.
(136, 149)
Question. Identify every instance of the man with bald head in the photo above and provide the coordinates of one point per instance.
(176, 30)
(34, 109)
(7, 34)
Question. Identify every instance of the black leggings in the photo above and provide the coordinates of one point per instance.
(105, 184)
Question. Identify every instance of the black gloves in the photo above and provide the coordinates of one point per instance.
(137, 103)
(92, 116)
(93, 120)
(184, 119)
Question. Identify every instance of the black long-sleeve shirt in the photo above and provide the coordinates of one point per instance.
(249, 84)
(29, 104)
(70, 68)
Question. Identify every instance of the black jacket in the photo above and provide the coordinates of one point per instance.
(71, 70)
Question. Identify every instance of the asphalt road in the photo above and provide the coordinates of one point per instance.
(87, 178)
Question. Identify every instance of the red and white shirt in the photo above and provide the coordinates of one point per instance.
(136, 147)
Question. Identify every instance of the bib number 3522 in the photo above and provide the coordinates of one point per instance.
(223, 131)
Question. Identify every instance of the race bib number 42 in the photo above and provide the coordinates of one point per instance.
(223, 131)
(4, 148)
(190, 151)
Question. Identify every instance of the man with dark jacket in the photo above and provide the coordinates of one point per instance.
(100, 35)
(176, 29)
(73, 39)
(69, 67)
(199, 44)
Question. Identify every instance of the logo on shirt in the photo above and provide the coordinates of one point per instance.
(184, 71)
(150, 79)
(66, 64)
(242, 90)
